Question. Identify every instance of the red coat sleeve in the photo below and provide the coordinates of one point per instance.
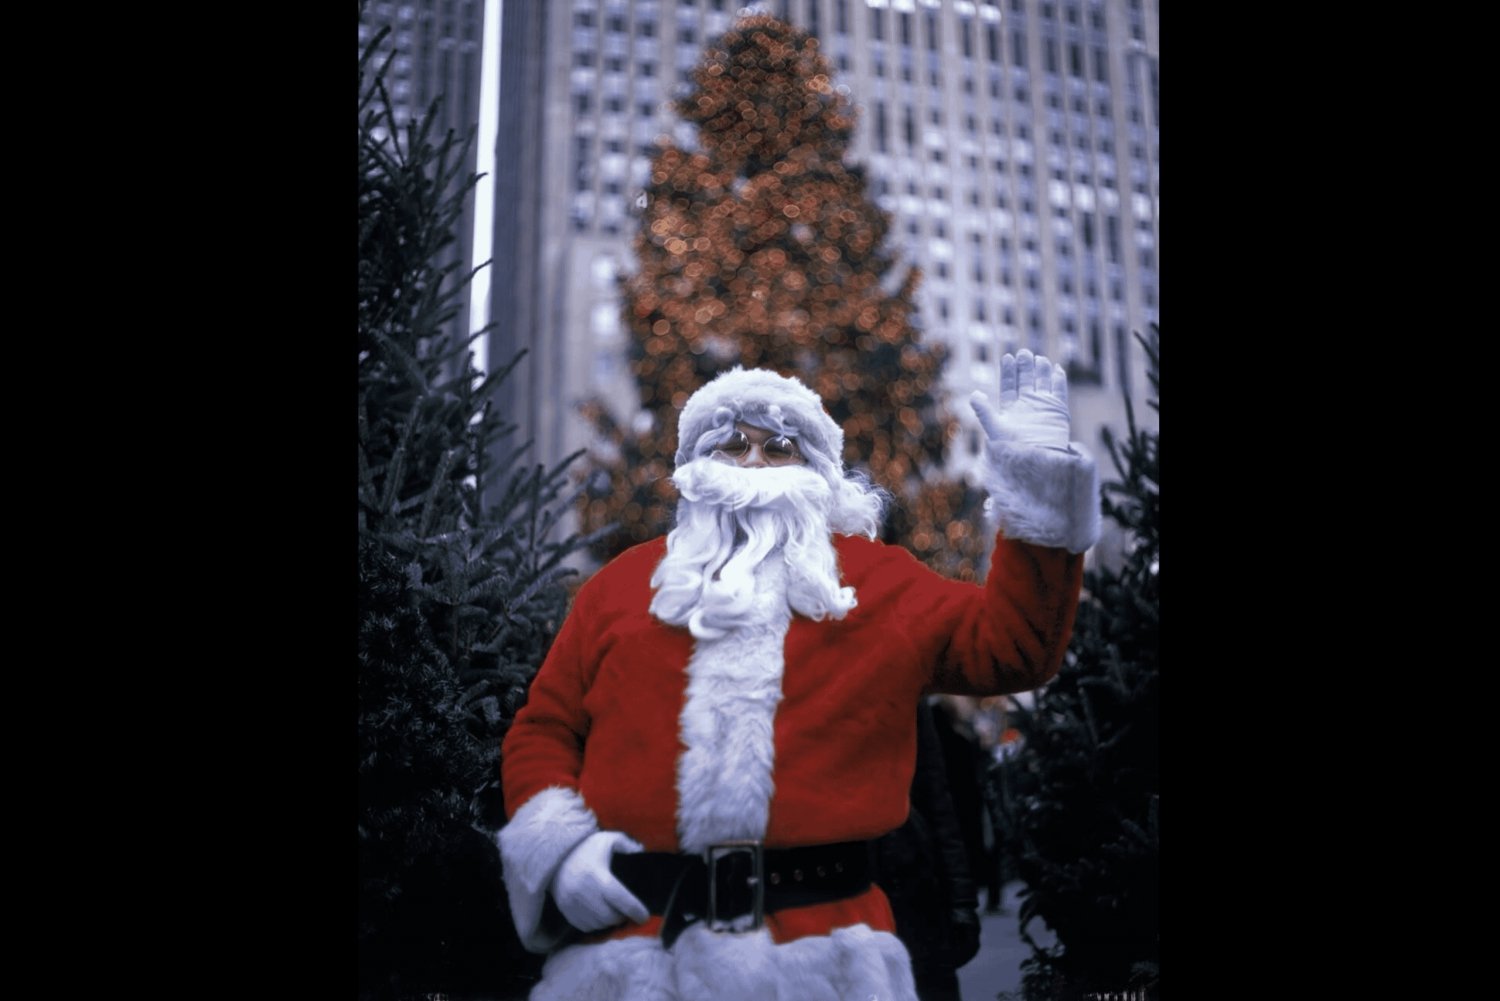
(544, 747)
(1008, 635)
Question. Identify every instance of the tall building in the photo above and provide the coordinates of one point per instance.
(434, 48)
(1014, 142)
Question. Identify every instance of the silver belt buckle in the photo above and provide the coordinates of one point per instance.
(756, 882)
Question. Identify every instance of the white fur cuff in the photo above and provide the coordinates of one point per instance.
(851, 964)
(535, 842)
(1045, 497)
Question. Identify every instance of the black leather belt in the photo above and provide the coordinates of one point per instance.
(738, 878)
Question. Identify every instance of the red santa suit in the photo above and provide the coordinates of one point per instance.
(787, 730)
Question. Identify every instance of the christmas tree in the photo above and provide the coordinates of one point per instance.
(762, 248)
(1080, 798)
(459, 592)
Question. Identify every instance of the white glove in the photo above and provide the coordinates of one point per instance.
(1033, 404)
(587, 893)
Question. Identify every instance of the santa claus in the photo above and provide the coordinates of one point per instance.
(728, 715)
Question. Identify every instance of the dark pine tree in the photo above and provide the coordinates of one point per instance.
(1080, 800)
(763, 248)
(459, 583)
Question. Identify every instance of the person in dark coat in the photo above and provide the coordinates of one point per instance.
(923, 868)
(967, 765)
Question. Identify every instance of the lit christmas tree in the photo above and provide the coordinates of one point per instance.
(762, 248)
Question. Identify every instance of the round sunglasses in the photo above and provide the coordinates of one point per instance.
(779, 450)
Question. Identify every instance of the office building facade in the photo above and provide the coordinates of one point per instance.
(1015, 144)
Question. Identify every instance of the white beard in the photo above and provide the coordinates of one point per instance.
(732, 522)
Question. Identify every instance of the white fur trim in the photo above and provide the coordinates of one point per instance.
(1045, 497)
(724, 783)
(544, 830)
(852, 964)
(748, 391)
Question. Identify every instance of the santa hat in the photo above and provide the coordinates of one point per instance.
(763, 398)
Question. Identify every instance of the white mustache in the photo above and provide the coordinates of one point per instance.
(709, 481)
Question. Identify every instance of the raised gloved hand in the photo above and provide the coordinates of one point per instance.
(1033, 407)
(587, 893)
